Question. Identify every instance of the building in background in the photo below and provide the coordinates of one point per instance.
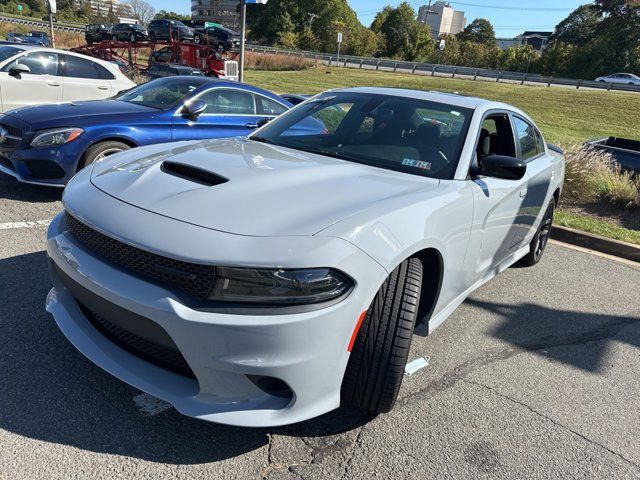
(442, 19)
(507, 43)
(224, 12)
(102, 8)
(538, 40)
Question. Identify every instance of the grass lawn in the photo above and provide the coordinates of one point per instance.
(565, 115)
(599, 227)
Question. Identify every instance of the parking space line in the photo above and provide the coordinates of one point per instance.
(149, 405)
(32, 224)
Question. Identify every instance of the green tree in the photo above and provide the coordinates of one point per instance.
(479, 31)
(162, 14)
(380, 18)
(398, 28)
(579, 27)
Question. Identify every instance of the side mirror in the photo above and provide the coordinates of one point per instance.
(502, 166)
(263, 121)
(18, 69)
(194, 109)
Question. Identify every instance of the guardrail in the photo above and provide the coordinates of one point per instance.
(37, 23)
(432, 69)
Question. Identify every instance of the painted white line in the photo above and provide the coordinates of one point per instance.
(16, 225)
(149, 405)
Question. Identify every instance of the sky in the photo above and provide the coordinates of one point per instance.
(509, 17)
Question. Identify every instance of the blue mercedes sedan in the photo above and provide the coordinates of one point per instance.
(48, 144)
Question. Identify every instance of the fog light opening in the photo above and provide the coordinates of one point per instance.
(272, 386)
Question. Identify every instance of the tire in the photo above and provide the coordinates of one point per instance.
(114, 38)
(152, 36)
(132, 38)
(540, 239)
(100, 151)
(220, 48)
(197, 40)
(376, 366)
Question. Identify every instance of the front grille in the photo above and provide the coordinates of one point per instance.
(155, 353)
(193, 278)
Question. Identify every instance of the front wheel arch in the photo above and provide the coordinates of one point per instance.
(125, 140)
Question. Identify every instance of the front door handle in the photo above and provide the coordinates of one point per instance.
(251, 125)
(54, 84)
(103, 87)
(523, 193)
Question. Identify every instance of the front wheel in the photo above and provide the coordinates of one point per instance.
(101, 150)
(376, 366)
(132, 38)
(540, 239)
(197, 40)
(114, 38)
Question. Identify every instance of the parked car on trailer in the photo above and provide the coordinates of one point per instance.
(624, 152)
(221, 38)
(50, 143)
(97, 32)
(166, 29)
(31, 75)
(160, 70)
(164, 55)
(16, 37)
(129, 32)
(622, 78)
(267, 280)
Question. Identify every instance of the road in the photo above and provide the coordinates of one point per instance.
(535, 376)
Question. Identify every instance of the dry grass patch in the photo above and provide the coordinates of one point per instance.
(268, 61)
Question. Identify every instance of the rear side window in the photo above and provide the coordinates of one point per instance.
(267, 106)
(82, 68)
(229, 102)
(528, 138)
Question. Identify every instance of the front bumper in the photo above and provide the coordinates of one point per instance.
(307, 350)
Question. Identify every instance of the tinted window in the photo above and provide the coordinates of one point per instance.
(40, 63)
(8, 52)
(526, 134)
(395, 133)
(229, 102)
(161, 94)
(81, 68)
(267, 106)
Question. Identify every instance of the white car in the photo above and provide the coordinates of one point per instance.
(267, 280)
(624, 78)
(31, 75)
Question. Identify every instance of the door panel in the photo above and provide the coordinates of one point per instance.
(212, 126)
(82, 80)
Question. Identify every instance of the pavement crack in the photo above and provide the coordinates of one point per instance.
(553, 421)
(461, 371)
(357, 442)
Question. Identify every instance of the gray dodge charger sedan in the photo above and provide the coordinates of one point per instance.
(267, 280)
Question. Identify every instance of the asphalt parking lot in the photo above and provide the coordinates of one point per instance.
(535, 376)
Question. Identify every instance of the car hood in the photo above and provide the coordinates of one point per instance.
(263, 190)
(77, 113)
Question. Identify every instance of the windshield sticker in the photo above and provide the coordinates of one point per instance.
(410, 162)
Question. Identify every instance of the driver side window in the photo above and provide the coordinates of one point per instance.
(496, 138)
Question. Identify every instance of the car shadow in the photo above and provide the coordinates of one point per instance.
(578, 339)
(51, 393)
(12, 189)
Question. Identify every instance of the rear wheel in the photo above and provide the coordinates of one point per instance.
(376, 366)
(197, 40)
(132, 38)
(540, 239)
(114, 38)
(102, 150)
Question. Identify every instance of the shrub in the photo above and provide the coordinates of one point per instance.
(268, 61)
(591, 175)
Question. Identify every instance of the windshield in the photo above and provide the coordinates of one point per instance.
(162, 94)
(397, 133)
(8, 52)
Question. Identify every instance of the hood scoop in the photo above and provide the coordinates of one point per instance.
(193, 174)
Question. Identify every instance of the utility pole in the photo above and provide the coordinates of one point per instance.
(52, 10)
(243, 34)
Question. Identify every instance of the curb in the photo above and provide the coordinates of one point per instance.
(591, 241)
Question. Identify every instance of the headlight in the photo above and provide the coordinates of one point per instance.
(55, 136)
(282, 287)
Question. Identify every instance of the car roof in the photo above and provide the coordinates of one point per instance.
(454, 99)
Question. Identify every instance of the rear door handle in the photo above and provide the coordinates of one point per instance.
(54, 84)
(103, 87)
(523, 193)
(251, 125)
